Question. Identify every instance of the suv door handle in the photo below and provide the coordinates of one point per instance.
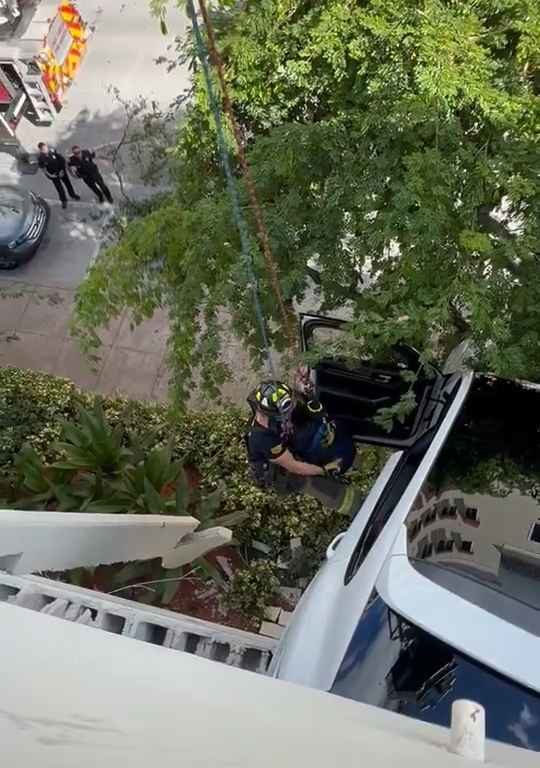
(331, 549)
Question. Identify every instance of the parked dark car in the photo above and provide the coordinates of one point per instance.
(23, 222)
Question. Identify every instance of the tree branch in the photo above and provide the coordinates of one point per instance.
(314, 274)
(461, 325)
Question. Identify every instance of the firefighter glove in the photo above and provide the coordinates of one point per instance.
(333, 468)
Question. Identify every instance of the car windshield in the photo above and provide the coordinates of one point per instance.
(392, 663)
(11, 202)
(475, 526)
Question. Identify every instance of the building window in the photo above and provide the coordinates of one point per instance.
(471, 514)
(452, 512)
(534, 535)
(467, 547)
(426, 551)
(448, 511)
(429, 518)
(414, 530)
(445, 546)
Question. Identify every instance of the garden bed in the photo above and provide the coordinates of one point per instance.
(33, 407)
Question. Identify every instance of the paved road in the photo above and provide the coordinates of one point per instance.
(36, 305)
(121, 53)
(36, 301)
(71, 243)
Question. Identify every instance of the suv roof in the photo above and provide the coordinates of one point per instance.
(475, 525)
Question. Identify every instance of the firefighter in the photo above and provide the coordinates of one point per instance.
(54, 167)
(83, 164)
(294, 448)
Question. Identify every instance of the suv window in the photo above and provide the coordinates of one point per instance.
(429, 417)
(392, 493)
(392, 663)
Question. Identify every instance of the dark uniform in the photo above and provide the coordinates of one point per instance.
(311, 438)
(264, 444)
(54, 165)
(85, 168)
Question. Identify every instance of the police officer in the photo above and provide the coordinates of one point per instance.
(83, 164)
(293, 447)
(54, 167)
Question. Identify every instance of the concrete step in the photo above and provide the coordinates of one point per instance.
(109, 613)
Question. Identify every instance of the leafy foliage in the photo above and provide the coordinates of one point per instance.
(104, 469)
(394, 148)
(252, 589)
(37, 404)
(91, 445)
(97, 472)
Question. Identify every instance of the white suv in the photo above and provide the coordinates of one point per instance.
(433, 593)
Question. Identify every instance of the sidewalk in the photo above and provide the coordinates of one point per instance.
(34, 333)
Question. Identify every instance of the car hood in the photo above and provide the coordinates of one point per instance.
(15, 213)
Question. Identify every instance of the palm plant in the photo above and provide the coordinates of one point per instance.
(92, 445)
(102, 469)
(66, 489)
(152, 485)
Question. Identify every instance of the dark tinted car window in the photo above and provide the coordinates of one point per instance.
(434, 409)
(392, 663)
(12, 214)
(384, 508)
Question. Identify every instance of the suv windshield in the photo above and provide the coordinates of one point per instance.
(475, 526)
(392, 663)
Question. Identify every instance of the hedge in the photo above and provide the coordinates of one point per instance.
(32, 406)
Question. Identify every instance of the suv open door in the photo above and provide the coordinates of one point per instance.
(355, 394)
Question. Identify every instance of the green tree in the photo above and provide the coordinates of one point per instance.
(394, 146)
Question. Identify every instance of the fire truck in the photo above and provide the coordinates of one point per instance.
(42, 44)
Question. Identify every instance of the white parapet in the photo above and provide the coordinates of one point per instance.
(195, 545)
(74, 696)
(39, 541)
(147, 623)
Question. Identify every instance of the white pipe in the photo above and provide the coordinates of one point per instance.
(468, 730)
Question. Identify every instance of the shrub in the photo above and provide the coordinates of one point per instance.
(252, 589)
(34, 405)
